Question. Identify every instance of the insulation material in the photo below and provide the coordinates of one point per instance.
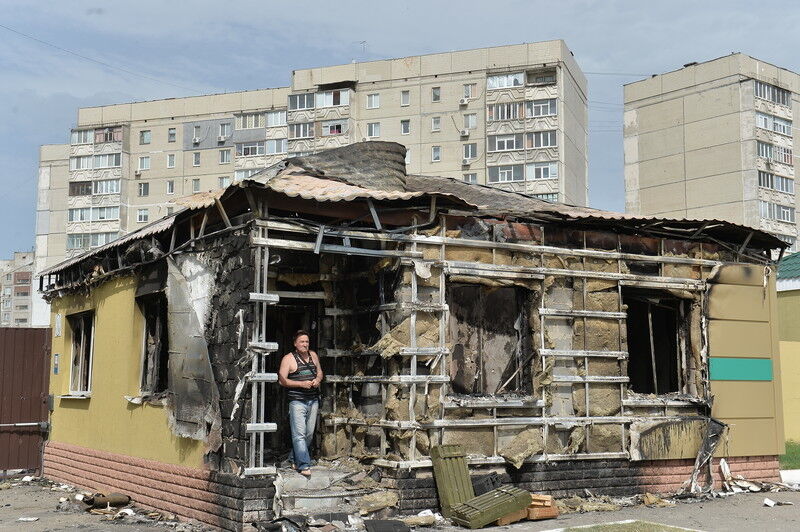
(653, 440)
(695, 364)
(398, 338)
(193, 405)
(575, 443)
(400, 441)
(471, 254)
(600, 335)
(478, 441)
(335, 443)
(604, 399)
(527, 443)
(602, 295)
(604, 438)
(602, 367)
(377, 501)
(684, 271)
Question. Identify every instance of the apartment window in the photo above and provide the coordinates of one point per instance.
(334, 127)
(196, 158)
(774, 123)
(250, 121)
(244, 174)
(775, 153)
(301, 101)
(301, 131)
(7, 304)
(22, 291)
(247, 149)
(80, 188)
(78, 240)
(79, 215)
(196, 134)
(6, 317)
(224, 156)
(108, 160)
(83, 136)
(105, 213)
(105, 186)
(505, 142)
(21, 307)
(142, 215)
(471, 150)
(100, 239)
(81, 328)
(471, 178)
(776, 211)
(405, 98)
(276, 118)
(470, 121)
(436, 123)
(172, 134)
(374, 129)
(195, 185)
(83, 162)
(504, 111)
(144, 136)
(225, 129)
(405, 127)
(436, 154)
(504, 81)
(775, 182)
(542, 139)
(170, 187)
(108, 134)
(7, 290)
(144, 162)
(333, 98)
(436, 94)
(552, 197)
(144, 189)
(506, 173)
(546, 107)
(548, 170)
(170, 160)
(373, 101)
(224, 181)
(792, 241)
(276, 146)
(541, 78)
(470, 90)
(155, 345)
(774, 94)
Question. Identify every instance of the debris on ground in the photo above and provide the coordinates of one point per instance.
(577, 504)
(769, 502)
(378, 501)
(425, 518)
(28, 519)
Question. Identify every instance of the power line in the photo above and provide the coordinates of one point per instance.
(86, 58)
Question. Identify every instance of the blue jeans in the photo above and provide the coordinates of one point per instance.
(302, 419)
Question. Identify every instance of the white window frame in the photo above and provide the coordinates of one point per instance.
(498, 112)
(306, 98)
(144, 163)
(244, 173)
(196, 185)
(96, 213)
(276, 118)
(470, 90)
(373, 130)
(436, 154)
(374, 100)
(471, 150)
(170, 160)
(142, 215)
(332, 128)
(104, 187)
(505, 173)
(79, 214)
(145, 137)
(436, 123)
(333, 98)
(773, 94)
(196, 158)
(547, 196)
(509, 142)
(541, 171)
(305, 129)
(225, 129)
(543, 139)
(89, 356)
(172, 134)
(107, 160)
(505, 81)
(249, 121)
(436, 94)
(82, 136)
(405, 98)
(539, 108)
(80, 162)
(470, 120)
(143, 189)
(170, 186)
(405, 127)
(275, 146)
(471, 177)
(225, 156)
(224, 181)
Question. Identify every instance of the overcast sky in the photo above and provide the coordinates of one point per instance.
(171, 49)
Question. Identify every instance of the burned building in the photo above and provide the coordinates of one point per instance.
(564, 347)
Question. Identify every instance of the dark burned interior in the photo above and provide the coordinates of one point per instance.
(442, 312)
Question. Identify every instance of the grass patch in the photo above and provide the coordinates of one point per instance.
(791, 460)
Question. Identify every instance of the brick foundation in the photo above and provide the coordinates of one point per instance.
(417, 488)
(221, 500)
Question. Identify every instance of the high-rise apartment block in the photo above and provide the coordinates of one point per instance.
(715, 140)
(16, 301)
(511, 116)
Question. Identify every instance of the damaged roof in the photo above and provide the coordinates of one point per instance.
(376, 170)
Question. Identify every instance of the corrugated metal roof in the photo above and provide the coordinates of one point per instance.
(201, 200)
(321, 189)
(789, 267)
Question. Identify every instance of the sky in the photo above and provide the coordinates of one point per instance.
(60, 56)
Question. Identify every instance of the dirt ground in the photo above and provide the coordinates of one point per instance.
(740, 512)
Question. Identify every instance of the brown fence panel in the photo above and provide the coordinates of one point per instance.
(24, 379)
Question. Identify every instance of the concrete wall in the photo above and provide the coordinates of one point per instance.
(107, 421)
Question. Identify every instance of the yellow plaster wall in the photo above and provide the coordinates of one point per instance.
(790, 380)
(107, 421)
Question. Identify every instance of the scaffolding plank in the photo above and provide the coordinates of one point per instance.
(492, 402)
(262, 427)
(264, 377)
(569, 353)
(393, 379)
(285, 294)
(580, 378)
(265, 298)
(264, 346)
(332, 248)
(424, 351)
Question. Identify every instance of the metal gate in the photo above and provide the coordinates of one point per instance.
(24, 379)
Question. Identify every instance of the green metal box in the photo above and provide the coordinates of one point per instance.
(489, 507)
(452, 476)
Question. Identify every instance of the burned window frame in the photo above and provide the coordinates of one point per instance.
(83, 378)
(154, 364)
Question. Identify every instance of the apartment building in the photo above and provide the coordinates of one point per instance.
(715, 140)
(15, 290)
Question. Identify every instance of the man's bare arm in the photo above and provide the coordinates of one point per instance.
(283, 374)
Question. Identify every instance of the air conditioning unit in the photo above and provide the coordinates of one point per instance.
(465, 132)
(195, 140)
(137, 173)
(221, 138)
(465, 162)
(463, 101)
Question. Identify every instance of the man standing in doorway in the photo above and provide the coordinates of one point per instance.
(300, 373)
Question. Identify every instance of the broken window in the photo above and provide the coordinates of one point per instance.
(491, 338)
(656, 329)
(155, 356)
(82, 330)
